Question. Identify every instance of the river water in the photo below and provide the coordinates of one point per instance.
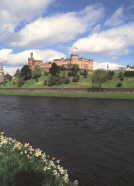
(94, 139)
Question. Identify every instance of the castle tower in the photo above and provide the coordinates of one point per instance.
(31, 59)
(74, 59)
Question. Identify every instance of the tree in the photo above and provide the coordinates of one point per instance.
(55, 69)
(76, 78)
(98, 78)
(110, 75)
(75, 69)
(17, 74)
(26, 73)
(36, 73)
(7, 77)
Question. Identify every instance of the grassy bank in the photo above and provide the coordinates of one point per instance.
(127, 82)
(72, 94)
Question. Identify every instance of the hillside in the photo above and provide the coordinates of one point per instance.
(83, 82)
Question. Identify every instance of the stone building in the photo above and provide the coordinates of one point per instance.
(1, 75)
(85, 64)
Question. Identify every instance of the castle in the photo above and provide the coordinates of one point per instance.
(84, 64)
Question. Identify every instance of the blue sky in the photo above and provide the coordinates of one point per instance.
(100, 29)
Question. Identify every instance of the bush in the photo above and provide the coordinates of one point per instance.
(119, 84)
(70, 74)
(76, 78)
(84, 73)
(21, 165)
(110, 75)
(129, 74)
(20, 82)
(51, 81)
(67, 81)
(45, 82)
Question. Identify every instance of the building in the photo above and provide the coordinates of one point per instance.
(85, 64)
(1, 75)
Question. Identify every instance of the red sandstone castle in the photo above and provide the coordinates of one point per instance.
(85, 64)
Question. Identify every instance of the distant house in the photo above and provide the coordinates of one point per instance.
(85, 64)
(1, 75)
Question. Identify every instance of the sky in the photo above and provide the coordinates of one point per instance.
(102, 30)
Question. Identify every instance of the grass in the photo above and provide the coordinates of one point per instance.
(83, 83)
(72, 94)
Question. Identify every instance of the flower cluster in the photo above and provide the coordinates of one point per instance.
(47, 165)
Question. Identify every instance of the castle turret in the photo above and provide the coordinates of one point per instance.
(74, 59)
(31, 59)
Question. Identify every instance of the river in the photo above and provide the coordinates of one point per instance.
(94, 139)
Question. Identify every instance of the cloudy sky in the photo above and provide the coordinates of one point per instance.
(100, 29)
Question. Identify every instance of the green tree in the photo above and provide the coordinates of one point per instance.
(98, 78)
(26, 73)
(75, 69)
(20, 81)
(17, 73)
(36, 73)
(76, 78)
(7, 77)
(55, 69)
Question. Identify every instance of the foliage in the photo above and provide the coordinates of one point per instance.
(26, 73)
(67, 80)
(74, 70)
(129, 74)
(110, 75)
(17, 74)
(84, 73)
(19, 82)
(21, 165)
(51, 80)
(119, 84)
(36, 73)
(7, 77)
(98, 78)
(54, 70)
(76, 78)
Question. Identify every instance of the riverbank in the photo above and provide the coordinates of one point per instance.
(70, 94)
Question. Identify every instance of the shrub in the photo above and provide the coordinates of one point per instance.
(67, 81)
(119, 84)
(20, 82)
(76, 78)
(51, 80)
(21, 165)
(45, 82)
(70, 74)
(129, 74)
(110, 75)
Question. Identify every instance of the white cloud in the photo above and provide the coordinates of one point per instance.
(113, 41)
(8, 58)
(117, 18)
(58, 28)
(15, 11)
(105, 65)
